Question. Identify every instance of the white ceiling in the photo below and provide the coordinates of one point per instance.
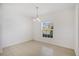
(28, 9)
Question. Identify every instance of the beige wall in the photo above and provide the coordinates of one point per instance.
(63, 28)
(0, 28)
(16, 27)
(76, 30)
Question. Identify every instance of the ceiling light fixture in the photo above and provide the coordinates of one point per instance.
(37, 16)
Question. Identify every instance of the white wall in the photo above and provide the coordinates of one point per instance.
(63, 28)
(0, 28)
(76, 30)
(16, 27)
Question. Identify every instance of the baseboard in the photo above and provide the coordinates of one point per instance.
(54, 44)
(77, 52)
(15, 43)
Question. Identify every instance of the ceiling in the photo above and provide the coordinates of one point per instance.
(28, 9)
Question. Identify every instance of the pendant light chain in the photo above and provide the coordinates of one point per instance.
(37, 15)
(37, 12)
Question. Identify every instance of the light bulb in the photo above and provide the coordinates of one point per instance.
(38, 19)
(34, 20)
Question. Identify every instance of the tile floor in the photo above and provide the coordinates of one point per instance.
(36, 48)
